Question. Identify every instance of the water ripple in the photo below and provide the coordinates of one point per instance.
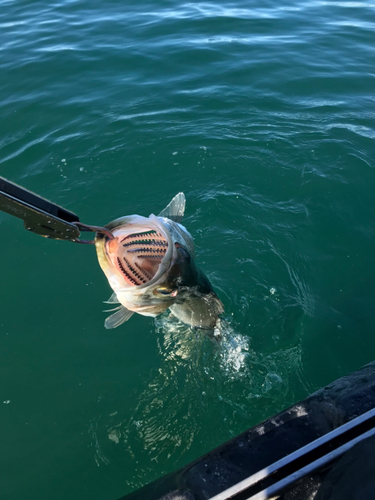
(263, 115)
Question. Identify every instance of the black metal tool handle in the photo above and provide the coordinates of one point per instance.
(43, 217)
(39, 215)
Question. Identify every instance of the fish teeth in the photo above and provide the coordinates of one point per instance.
(150, 257)
(149, 237)
(134, 271)
(147, 249)
(156, 243)
(148, 275)
(135, 278)
(149, 245)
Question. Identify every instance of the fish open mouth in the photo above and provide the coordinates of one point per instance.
(138, 255)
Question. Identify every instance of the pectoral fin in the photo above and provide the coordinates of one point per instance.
(118, 318)
(175, 209)
(112, 299)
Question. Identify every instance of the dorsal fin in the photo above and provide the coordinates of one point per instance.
(175, 209)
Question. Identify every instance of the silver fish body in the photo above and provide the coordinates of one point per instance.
(150, 267)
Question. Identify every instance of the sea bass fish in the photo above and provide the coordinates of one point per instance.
(149, 264)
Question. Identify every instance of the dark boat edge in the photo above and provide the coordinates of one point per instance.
(269, 442)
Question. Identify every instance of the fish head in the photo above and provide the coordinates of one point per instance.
(142, 261)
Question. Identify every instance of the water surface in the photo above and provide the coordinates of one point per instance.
(264, 117)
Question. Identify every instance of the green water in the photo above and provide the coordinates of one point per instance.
(264, 116)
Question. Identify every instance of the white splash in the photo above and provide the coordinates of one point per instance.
(234, 350)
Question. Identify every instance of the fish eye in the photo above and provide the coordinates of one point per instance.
(167, 291)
